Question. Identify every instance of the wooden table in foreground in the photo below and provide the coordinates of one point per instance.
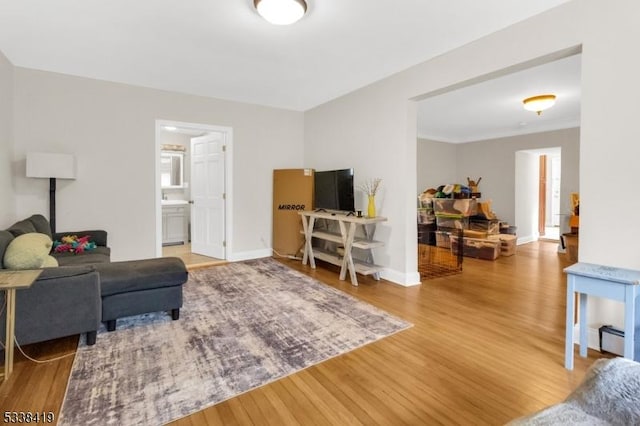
(601, 281)
(10, 281)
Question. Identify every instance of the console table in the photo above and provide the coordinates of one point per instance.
(601, 281)
(10, 281)
(347, 238)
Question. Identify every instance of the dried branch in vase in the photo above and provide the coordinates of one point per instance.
(371, 186)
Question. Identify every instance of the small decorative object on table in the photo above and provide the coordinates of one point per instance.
(370, 188)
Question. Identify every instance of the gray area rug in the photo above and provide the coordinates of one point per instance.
(242, 325)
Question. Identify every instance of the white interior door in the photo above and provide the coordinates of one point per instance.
(208, 195)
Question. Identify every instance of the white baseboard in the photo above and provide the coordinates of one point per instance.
(404, 279)
(525, 240)
(593, 340)
(248, 255)
(593, 337)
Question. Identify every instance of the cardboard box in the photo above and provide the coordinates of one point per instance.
(571, 244)
(292, 193)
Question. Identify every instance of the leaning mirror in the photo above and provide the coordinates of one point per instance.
(171, 166)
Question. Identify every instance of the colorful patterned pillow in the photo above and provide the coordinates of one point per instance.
(73, 244)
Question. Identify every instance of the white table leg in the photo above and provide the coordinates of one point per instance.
(307, 226)
(629, 322)
(305, 252)
(568, 340)
(347, 260)
(583, 325)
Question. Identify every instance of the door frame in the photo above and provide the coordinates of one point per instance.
(228, 177)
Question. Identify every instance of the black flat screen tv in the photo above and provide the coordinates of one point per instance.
(333, 190)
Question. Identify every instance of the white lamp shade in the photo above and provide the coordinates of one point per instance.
(281, 12)
(46, 165)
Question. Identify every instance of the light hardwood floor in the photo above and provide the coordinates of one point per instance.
(192, 260)
(487, 346)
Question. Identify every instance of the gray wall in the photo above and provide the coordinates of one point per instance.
(7, 205)
(506, 180)
(436, 164)
(495, 161)
(111, 129)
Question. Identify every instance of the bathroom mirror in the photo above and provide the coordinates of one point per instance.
(171, 167)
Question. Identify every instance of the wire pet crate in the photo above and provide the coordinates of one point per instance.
(436, 259)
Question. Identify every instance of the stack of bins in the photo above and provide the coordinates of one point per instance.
(426, 222)
(452, 216)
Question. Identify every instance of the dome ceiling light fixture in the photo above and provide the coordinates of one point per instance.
(539, 103)
(281, 12)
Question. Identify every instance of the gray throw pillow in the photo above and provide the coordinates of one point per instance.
(41, 224)
(5, 238)
(22, 227)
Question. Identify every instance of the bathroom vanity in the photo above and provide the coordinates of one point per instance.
(175, 222)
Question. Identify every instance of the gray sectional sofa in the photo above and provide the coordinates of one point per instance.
(87, 288)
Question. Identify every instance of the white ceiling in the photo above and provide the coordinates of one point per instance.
(493, 108)
(224, 49)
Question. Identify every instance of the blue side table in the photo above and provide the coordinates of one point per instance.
(602, 281)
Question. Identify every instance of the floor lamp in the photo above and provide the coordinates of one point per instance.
(51, 166)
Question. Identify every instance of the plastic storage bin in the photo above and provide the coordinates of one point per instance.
(462, 207)
(490, 226)
(452, 222)
(476, 247)
(507, 243)
(426, 215)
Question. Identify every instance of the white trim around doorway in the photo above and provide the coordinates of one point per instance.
(228, 131)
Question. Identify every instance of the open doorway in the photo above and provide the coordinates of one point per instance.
(480, 129)
(193, 187)
(550, 172)
(538, 193)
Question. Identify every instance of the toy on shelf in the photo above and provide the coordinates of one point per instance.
(574, 219)
(473, 186)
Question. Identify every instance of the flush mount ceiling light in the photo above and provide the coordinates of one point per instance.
(539, 103)
(281, 12)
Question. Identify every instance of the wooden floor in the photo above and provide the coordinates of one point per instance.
(192, 260)
(487, 346)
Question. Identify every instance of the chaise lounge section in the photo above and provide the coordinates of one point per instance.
(141, 286)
